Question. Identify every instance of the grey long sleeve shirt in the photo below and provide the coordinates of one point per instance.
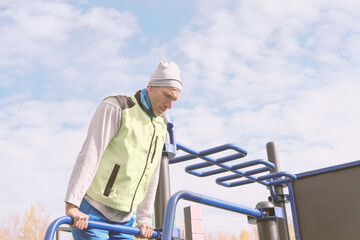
(103, 127)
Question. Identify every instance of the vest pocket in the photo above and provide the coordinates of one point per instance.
(111, 180)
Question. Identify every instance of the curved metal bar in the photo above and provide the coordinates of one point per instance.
(182, 159)
(289, 177)
(195, 197)
(50, 232)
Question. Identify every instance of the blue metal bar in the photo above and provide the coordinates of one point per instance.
(193, 154)
(288, 178)
(182, 158)
(210, 160)
(219, 160)
(235, 176)
(223, 148)
(50, 232)
(234, 167)
(194, 197)
(93, 224)
(273, 179)
(294, 211)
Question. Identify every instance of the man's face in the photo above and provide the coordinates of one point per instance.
(162, 98)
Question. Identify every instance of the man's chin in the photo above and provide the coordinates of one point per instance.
(159, 114)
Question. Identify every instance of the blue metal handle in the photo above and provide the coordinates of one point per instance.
(195, 197)
(50, 232)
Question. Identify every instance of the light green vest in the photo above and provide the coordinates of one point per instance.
(130, 159)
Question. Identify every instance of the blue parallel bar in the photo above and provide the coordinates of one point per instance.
(50, 232)
(219, 160)
(182, 158)
(234, 167)
(235, 176)
(222, 148)
(288, 178)
(194, 197)
(194, 153)
(237, 166)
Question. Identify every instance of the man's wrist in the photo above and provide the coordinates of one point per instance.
(69, 206)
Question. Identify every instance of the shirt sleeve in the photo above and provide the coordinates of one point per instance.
(103, 127)
(144, 209)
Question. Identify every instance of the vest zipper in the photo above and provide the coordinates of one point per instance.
(142, 175)
(156, 140)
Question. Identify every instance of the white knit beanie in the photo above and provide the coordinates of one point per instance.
(167, 74)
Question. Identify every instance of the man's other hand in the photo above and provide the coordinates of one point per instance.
(80, 218)
(146, 230)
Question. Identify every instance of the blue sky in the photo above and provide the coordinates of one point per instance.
(253, 72)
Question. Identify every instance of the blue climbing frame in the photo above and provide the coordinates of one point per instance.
(271, 179)
(265, 215)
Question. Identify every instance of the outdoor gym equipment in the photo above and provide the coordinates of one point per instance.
(272, 222)
(270, 216)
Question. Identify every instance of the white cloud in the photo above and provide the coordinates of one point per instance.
(72, 47)
(254, 49)
(40, 142)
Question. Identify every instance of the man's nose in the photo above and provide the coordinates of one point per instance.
(169, 104)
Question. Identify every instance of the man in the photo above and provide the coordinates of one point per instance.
(117, 169)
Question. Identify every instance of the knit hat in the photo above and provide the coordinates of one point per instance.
(167, 74)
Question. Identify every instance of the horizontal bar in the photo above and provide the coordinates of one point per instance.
(193, 154)
(219, 160)
(288, 178)
(208, 159)
(222, 148)
(247, 173)
(195, 197)
(234, 167)
(50, 232)
(182, 158)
